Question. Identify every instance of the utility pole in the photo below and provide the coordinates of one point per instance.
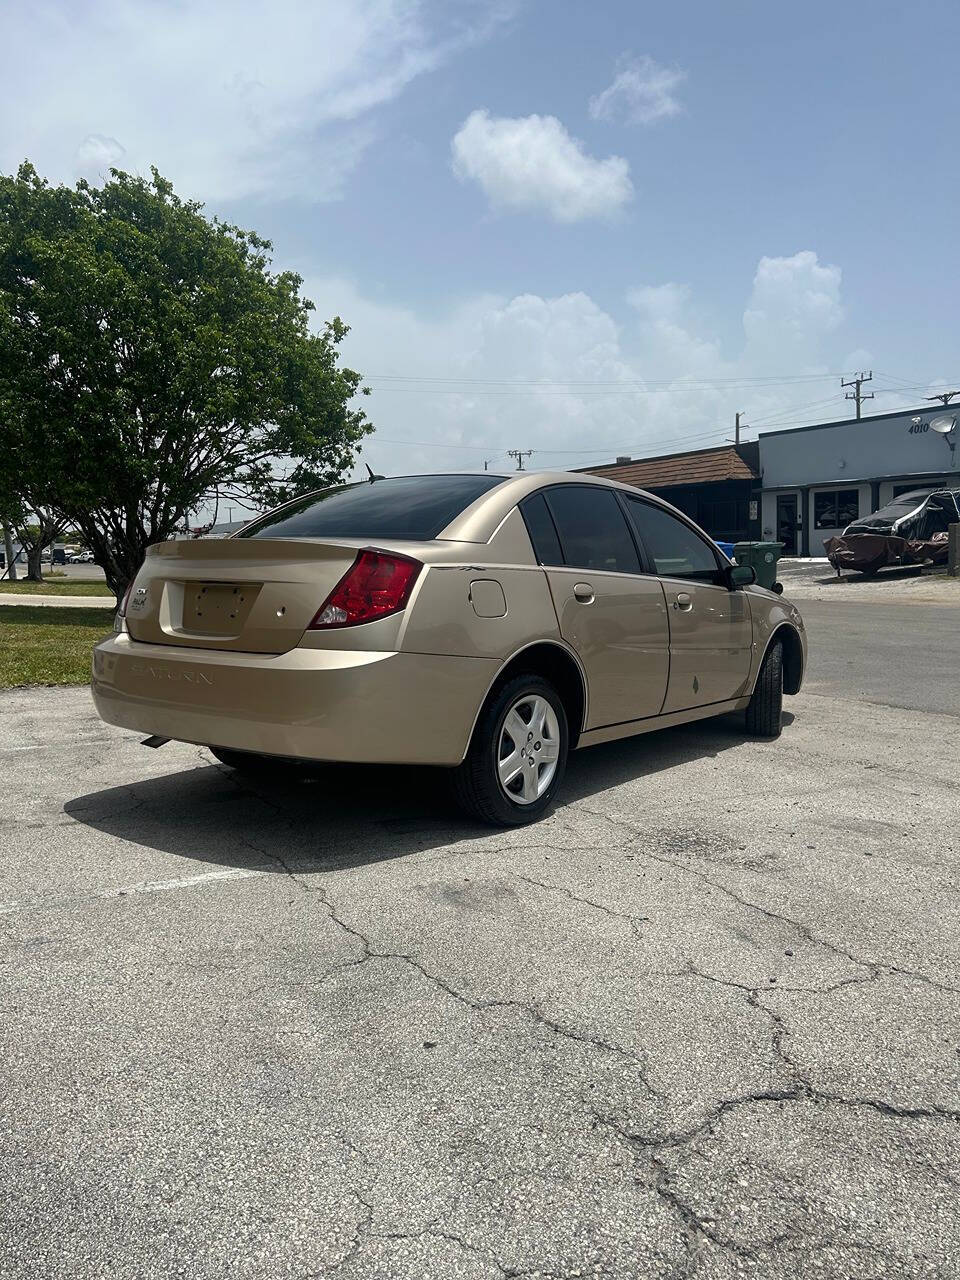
(944, 397)
(519, 454)
(736, 433)
(858, 395)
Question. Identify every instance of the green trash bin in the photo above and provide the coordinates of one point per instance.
(763, 556)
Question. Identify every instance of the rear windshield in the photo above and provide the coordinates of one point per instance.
(411, 507)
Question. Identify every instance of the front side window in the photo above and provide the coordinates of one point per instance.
(405, 507)
(592, 530)
(674, 549)
(835, 510)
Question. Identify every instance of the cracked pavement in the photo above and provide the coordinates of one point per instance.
(703, 1021)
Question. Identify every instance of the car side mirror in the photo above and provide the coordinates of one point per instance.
(740, 575)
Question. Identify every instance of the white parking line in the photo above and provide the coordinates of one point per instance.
(146, 886)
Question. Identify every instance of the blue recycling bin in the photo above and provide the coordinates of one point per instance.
(726, 548)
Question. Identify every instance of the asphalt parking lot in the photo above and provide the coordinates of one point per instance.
(703, 1021)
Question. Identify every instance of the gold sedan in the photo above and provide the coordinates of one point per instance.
(487, 624)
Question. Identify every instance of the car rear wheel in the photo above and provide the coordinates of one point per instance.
(517, 756)
(765, 709)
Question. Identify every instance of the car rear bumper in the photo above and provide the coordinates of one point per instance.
(319, 704)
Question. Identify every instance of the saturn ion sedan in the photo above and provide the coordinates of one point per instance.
(485, 624)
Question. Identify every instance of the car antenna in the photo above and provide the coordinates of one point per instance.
(372, 474)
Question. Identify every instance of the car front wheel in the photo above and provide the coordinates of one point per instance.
(765, 709)
(517, 756)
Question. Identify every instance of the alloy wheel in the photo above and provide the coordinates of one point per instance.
(528, 749)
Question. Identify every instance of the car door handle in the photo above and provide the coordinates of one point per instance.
(583, 592)
(683, 602)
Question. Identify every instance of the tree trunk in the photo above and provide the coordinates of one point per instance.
(115, 570)
(8, 552)
(34, 565)
(118, 585)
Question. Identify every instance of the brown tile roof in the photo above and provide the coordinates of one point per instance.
(701, 466)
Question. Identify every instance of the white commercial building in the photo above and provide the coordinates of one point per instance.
(816, 480)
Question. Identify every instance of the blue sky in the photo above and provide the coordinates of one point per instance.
(579, 229)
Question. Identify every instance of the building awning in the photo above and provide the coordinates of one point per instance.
(921, 478)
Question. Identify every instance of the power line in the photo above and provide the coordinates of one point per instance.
(454, 384)
(904, 382)
(470, 393)
(623, 388)
(736, 380)
(907, 385)
(437, 444)
(770, 420)
(781, 418)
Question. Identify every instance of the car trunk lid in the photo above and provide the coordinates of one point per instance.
(246, 594)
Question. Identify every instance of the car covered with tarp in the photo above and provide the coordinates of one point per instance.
(910, 530)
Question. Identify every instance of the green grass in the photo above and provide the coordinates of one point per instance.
(57, 587)
(44, 645)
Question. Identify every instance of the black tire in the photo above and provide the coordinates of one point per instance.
(765, 710)
(476, 782)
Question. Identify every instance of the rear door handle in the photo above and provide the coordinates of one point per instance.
(683, 602)
(583, 592)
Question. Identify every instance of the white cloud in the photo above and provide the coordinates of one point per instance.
(660, 301)
(561, 376)
(795, 301)
(97, 155)
(532, 163)
(642, 91)
(227, 99)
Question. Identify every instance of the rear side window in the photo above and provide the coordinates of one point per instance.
(592, 529)
(410, 507)
(672, 546)
(542, 531)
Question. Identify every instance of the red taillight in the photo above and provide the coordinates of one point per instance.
(122, 611)
(378, 583)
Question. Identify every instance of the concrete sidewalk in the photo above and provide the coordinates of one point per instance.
(59, 602)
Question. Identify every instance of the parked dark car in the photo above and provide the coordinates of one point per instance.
(912, 515)
(912, 529)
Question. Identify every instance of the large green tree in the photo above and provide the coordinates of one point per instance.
(151, 359)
